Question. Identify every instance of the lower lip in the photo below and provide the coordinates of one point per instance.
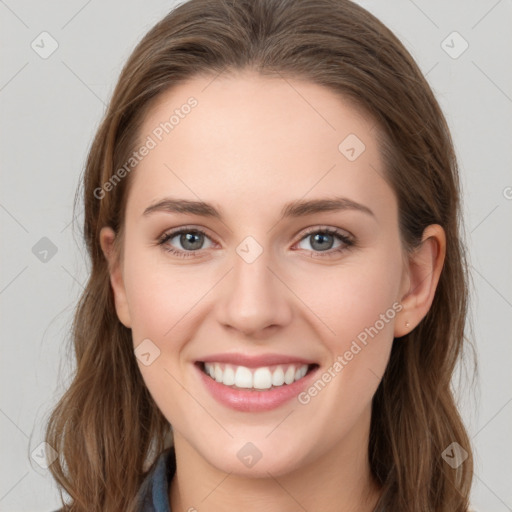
(253, 400)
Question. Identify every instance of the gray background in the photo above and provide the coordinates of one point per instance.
(50, 110)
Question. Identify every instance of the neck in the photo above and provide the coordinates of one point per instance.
(339, 480)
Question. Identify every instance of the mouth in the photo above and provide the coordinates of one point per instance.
(258, 379)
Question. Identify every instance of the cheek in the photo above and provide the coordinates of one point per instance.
(160, 295)
(358, 304)
(365, 324)
(353, 296)
(161, 301)
(361, 311)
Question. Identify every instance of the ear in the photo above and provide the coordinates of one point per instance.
(107, 237)
(422, 276)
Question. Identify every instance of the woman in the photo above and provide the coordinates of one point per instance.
(225, 359)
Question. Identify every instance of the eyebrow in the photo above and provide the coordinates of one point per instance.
(298, 208)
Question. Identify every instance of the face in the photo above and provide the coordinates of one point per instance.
(267, 269)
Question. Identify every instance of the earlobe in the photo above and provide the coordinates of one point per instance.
(107, 237)
(424, 270)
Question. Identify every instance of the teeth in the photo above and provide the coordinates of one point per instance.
(289, 376)
(243, 376)
(262, 379)
(258, 378)
(278, 377)
(228, 376)
(300, 372)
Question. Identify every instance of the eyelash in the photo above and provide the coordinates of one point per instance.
(347, 241)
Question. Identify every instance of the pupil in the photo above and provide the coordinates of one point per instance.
(188, 238)
(319, 237)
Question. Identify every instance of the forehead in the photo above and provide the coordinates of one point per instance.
(248, 141)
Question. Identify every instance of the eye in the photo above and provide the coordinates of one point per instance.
(191, 239)
(322, 239)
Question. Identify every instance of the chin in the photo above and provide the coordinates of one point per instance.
(248, 460)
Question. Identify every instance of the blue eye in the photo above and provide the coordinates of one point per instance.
(192, 240)
(321, 240)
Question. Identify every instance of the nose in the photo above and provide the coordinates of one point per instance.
(254, 298)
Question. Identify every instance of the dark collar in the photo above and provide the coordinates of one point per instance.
(154, 491)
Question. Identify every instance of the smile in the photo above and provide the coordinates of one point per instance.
(255, 389)
(265, 377)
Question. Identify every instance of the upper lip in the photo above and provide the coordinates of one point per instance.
(254, 361)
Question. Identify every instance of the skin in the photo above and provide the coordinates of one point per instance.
(251, 145)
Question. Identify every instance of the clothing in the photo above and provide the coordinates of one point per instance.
(154, 491)
(153, 494)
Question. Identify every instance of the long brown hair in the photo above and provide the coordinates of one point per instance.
(106, 428)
